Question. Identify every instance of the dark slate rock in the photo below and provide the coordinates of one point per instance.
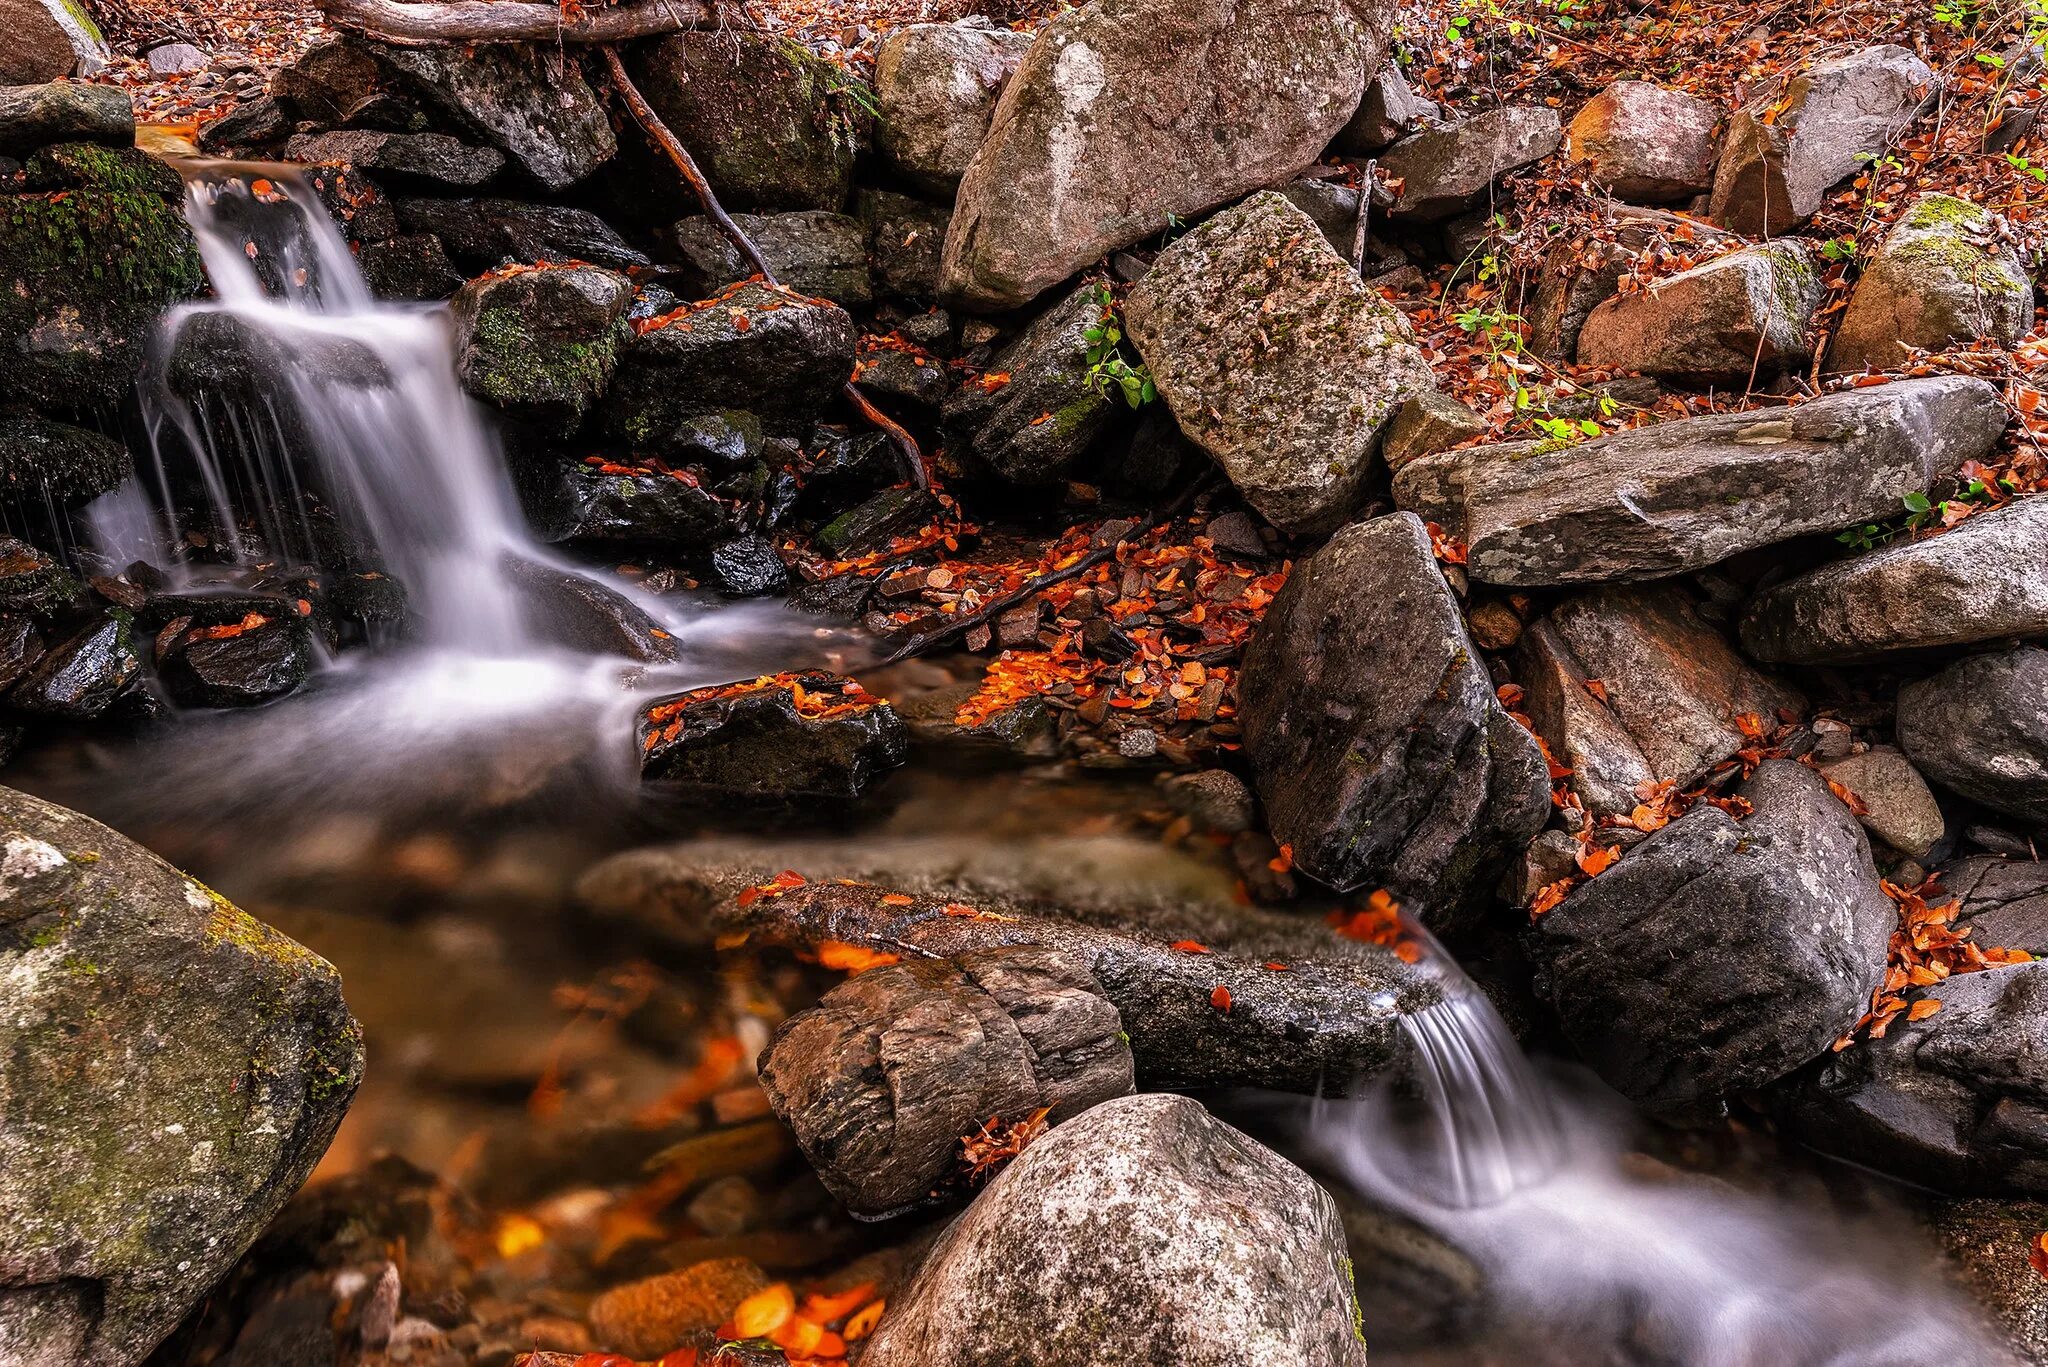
(80, 677)
(1980, 728)
(33, 116)
(541, 344)
(1720, 955)
(873, 524)
(1003, 431)
(531, 102)
(651, 511)
(748, 567)
(239, 670)
(996, 1033)
(570, 608)
(906, 238)
(339, 81)
(42, 460)
(484, 233)
(757, 744)
(413, 267)
(2003, 901)
(420, 156)
(1377, 743)
(1661, 500)
(175, 1068)
(813, 252)
(21, 645)
(249, 124)
(33, 582)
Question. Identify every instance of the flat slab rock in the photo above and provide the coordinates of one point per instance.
(1720, 955)
(1678, 496)
(1276, 358)
(174, 1069)
(1379, 747)
(1143, 1231)
(808, 736)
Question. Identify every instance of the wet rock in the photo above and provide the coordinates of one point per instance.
(413, 267)
(541, 343)
(1673, 689)
(1645, 143)
(935, 91)
(1980, 728)
(481, 234)
(571, 609)
(1984, 580)
(1276, 359)
(43, 462)
(1942, 275)
(647, 510)
(175, 1069)
(650, 1317)
(33, 116)
(249, 124)
(1746, 314)
(1378, 746)
(95, 166)
(1954, 1100)
(1900, 810)
(1128, 114)
(803, 737)
(83, 279)
(821, 254)
(913, 379)
(747, 566)
(773, 126)
(423, 156)
(1719, 955)
(879, 520)
(1577, 277)
(21, 645)
(1213, 799)
(905, 239)
(882, 1078)
(1002, 429)
(338, 82)
(237, 667)
(771, 352)
(530, 102)
(1784, 152)
(32, 582)
(1990, 1241)
(1389, 110)
(1674, 497)
(1082, 1250)
(48, 40)
(1449, 169)
(1026, 732)
(81, 676)
(1427, 423)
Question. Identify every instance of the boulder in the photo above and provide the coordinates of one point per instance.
(1645, 143)
(1276, 358)
(340, 81)
(772, 126)
(1784, 152)
(1084, 1250)
(644, 509)
(1427, 423)
(906, 238)
(530, 102)
(418, 156)
(1000, 429)
(81, 676)
(1376, 741)
(1640, 661)
(84, 276)
(882, 1079)
(1944, 274)
(1721, 954)
(33, 582)
(935, 91)
(813, 252)
(1956, 1100)
(1448, 169)
(33, 116)
(253, 122)
(757, 348)
(1389, 110)
(412, 267)
(541, 343)
(1898, 808)
(48, 40)
(875, 522)
(2004, 902)
(1578, 276)
(916, 379)
(483, 234)
(1980, 728)
(1740, 316)
(174, 1070)
(570, 608)
(238, 666)
(44, 463)
(802, 737)
(96, 166)
(1983, 580)
(1129, 114)
(1663, 500)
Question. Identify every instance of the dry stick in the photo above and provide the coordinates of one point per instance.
(651, 124)
(1367, 179)
(511, 21)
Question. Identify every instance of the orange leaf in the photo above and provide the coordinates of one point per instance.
(846, 958)
(1922, 1009)
(1597, 689)
(897, 899)
(762, 1313)
(864, 1321)
(1190, 946)
(1596, 859)
(1220, 999)
(837, 1306)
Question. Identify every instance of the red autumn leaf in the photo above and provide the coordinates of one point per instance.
(1190, 946)
(1220, 999)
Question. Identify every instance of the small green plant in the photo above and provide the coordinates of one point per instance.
(1923, 512)
(1111, 370)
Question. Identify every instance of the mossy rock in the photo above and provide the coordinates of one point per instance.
(91, 166)
(542, 343)
(84, 276)
(43, 461)
(175, 1068)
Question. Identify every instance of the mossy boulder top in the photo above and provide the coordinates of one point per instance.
(541, 342)
(33, 116)
(173, 1069)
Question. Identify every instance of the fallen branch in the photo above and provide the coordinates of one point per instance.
(651, 124)
(409, 23)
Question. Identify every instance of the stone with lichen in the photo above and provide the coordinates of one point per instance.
(1943, 275)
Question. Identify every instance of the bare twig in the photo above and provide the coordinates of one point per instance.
(415, 24)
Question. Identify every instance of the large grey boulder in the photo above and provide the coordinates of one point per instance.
(541, 343)
(1980, 728)
(530, 102)
(935, 91)
(1276, 358)
(1646, 143)
(1142, 1231)
(1784, 152)
(1375, 737)
(883, 1076)
(1662, 500)
(1942, 275)
(813, 252)
(48, 40)
(170, 1071)
(1743, 315)
(1957, 1100)
(1003, 429)
(1128, 114)
(1984, 580)
(1719, 955)
(1449, 169)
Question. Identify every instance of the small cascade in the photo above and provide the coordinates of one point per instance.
(1496, 1132)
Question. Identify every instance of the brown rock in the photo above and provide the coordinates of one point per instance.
(1747, 313)
(1645, 143)
(648, 1318)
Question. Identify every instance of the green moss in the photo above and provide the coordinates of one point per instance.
(228, 924)
(1935, 211)
(90, 166)
(509, 364)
